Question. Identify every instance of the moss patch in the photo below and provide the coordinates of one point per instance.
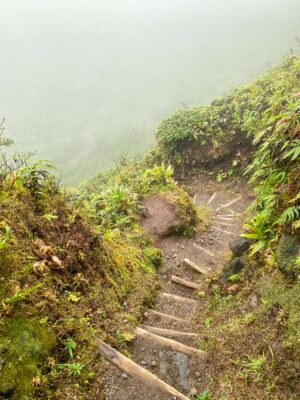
(23, 345)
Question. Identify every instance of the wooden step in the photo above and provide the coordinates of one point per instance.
(136, 371)
(169, 332)
(167, 316)
(229, 204)
(186, 283)
(169, 343)
(212, 198)
(223, 230)
(204, 249)
(196, 267)
(169, 296)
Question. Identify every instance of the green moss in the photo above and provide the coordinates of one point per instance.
(205, 215)
(154, 256)
(288, 250)
(23, 345)
(280, 297)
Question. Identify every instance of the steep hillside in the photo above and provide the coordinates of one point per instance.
(79, 267)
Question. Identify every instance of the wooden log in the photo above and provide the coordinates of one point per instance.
(169, 332)
(224, 231)
(212, 198)
(180, 299)
(224, 219)
(203, 249)
(186, 283)
(221, 222)
(169, 343)
(136, 371)
(229, 204)
(167, 316)
(196, 267)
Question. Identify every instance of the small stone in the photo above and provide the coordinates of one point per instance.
(143, 362)
(124, 376)
(146, 315)
(197, 374)
(125, 321)
(193, 392)
(153, 364)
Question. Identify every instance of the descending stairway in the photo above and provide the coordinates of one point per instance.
(167, 362)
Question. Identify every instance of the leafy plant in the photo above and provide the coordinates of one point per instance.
(74, 369)
(70, 346)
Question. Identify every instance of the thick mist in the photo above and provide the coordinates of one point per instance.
(84, 81)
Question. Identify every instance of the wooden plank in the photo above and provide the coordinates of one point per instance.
(169, 343)
(180, 299)
(136, 371)
(212, 198)
(169, 332)
(167, 316)
(196, 267)
(203, 249)
(224, 231)
(229, 204)
(186, 283)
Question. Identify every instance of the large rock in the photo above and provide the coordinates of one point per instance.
(287, 251)
(239, 246)
(23, 345)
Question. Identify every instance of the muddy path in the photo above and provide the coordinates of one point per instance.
(172, 318)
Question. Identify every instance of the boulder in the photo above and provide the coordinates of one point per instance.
(239, 246)
(288, 250)
(236, 265)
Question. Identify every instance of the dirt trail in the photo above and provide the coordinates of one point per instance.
(189, 374)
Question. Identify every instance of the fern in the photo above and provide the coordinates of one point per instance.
(289, 215)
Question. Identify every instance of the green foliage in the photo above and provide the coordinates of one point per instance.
(205, 395)
(74, 369)
(284, 300)
(70, 346)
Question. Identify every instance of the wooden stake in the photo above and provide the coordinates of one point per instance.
(171, 344)
(191, 264)
(229, 204)
(223, 230)
(212, 198)
(167, 316)
(203, 249)
(136, 371)
(169, 332)
(186, 283)
(178, 298)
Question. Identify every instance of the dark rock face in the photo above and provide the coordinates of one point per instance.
(239, 246)
(287, 251)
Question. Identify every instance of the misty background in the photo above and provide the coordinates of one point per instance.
(84, 81)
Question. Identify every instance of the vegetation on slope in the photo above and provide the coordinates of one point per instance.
(62, 284)
(222, 132)
(252, 323)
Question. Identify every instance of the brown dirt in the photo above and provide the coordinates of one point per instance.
(160, 215)
(187, 374)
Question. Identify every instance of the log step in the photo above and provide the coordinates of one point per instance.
(169, 332)
(223, 230)
(203, 249)
(180, 299)
(212, 198)
(186, 283)
(136, 371)
(196, 267)
(169, 343)
(167, 316)
(229, 204)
